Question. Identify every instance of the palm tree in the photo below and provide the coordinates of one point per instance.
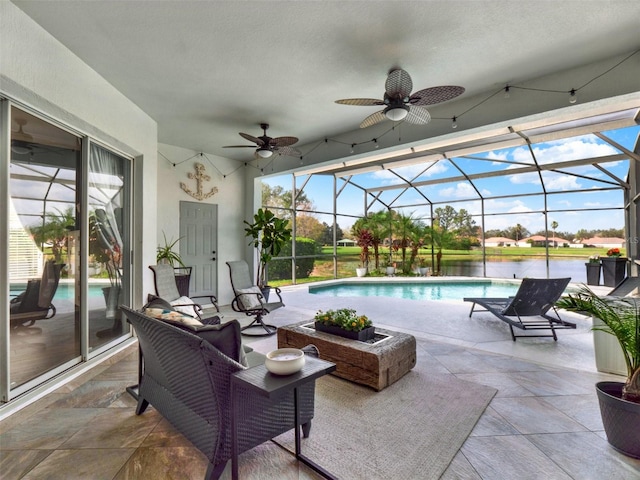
(403, 227)
(554, 225)
(55, 231)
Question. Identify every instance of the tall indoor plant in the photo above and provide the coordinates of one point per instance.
(619, 402)
(268, 235)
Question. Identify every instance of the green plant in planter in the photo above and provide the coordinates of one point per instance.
(621, 318)
(166, 254)
(268, 235)
(345, 318)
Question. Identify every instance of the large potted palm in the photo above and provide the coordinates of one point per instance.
(268, 235)
(619, 402)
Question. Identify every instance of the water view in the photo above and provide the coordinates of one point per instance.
(519, 268)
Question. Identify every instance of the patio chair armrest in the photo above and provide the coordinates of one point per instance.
(276, 290)
(212, 299)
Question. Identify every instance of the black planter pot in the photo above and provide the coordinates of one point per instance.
(621, 418)
(593, 273)
(265, 293)
(363, 335)
(613, 270)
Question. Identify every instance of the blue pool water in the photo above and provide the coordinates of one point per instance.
(419, 291)
(65, 291)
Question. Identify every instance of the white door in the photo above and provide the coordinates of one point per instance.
(198, 245)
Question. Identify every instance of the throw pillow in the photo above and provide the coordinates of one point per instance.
(252, 301)
(186, 305)
(172, 315)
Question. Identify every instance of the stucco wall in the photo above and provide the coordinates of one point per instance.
(229, 177)
(39, 72)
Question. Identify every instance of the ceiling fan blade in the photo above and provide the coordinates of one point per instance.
(239, 146)
(373, 119)
(418, 115)
(251, 138)
(283, 141)
(288, 151)
(365, 102)
(398, 84)
(433, 95)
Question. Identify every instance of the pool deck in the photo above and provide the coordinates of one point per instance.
(447, 321)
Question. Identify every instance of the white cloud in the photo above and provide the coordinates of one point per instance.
(460, 190)
(410, 172)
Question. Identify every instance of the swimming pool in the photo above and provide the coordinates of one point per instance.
(448, 290)
(65, 291)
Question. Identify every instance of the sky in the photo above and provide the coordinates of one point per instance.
(500, 213)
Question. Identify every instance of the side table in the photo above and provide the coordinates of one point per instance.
(259, 380)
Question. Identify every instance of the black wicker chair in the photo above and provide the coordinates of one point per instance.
(188, 381)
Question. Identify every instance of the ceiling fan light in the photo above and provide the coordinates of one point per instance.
(396, 114)
(264, 152)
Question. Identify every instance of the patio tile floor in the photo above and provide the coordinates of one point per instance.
(544, 421)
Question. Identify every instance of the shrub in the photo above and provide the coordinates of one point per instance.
(281, 269)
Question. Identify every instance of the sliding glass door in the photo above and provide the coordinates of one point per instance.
(68, 250)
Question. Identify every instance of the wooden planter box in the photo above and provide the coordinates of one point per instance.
(363, 335)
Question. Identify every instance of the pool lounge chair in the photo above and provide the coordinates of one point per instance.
(527, 310)
(35, 302)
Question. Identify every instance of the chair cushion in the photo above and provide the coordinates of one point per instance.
(252, 301)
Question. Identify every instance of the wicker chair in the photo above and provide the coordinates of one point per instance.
(188, 381)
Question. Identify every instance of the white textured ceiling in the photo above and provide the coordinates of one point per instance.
(206, 70)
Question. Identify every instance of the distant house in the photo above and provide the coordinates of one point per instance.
(541, 241)
(500, 242)
(346, 242)
(604, 242)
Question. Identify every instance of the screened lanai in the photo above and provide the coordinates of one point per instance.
(568, 174)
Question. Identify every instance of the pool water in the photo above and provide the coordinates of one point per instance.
(419, 291)
(65, 291)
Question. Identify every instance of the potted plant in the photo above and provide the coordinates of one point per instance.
(364, 240)
(268, 235)
(593, 270)
(619, 402)
(166, 254)
(424, 266)
(614, 267)
(345, 322)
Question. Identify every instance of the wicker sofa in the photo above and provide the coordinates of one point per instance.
(187, 379)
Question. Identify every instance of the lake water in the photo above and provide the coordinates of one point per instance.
(519, 268)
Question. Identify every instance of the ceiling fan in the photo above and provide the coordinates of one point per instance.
(267, 146)
(20, 144)
(400, 104)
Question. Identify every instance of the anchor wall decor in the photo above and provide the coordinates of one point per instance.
(200, 176)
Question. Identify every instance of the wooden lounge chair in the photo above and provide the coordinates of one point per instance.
(527, 310)
(250, 300)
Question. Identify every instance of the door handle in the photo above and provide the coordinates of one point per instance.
(214, 259)
(214, 252)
